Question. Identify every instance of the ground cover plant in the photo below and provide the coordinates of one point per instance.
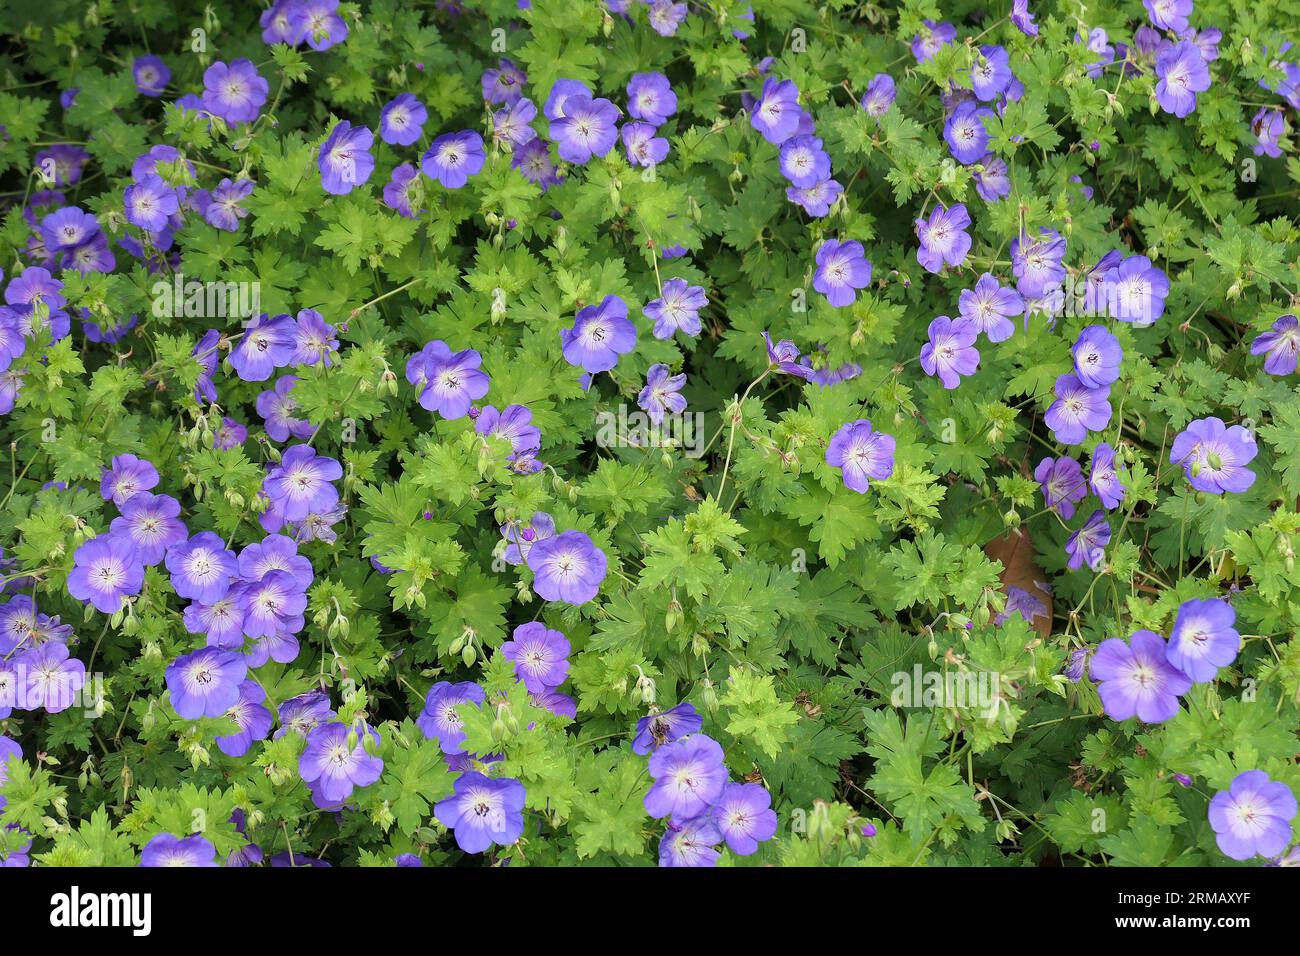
(681, 434)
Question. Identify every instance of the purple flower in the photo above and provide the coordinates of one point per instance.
(275, 23)
(533, 160)
(665, 727)
(666, 16)
(301, 483)
(540, 656)
(482, 811)
(1103, 480)
(505, 82)
(105, 571)
(252, 718)
(1269, 126)
(1204, 639)
(562, 705)
(677, 309)
(1061, 480)
(151, 75)
(334, 765)
(1097, 42)
(879, 97)
(68, 228)
(842, 269)
(586, 128)
(345, 161)
(1097, 355)
(803, 161)
(151, 524)
(600, 334)
(221, 208)
(662, 393)
(513, 123)
(784, 355)
(52, 679)
(273, 606)
(222, 621)
(128, 475)
(943, 238)
(1169, 15)
(276, 408)
(688, 778)
(1135, 679)
(1183, 73)
(449, 382)
(206, 682)
(267, 344)
(313, 339)
(561, 90)
(965, 133)
(1089, 542)
(991, 72)
(302, 713)
(744, 816)
(206, 354)
(150, 203)
(202, 567)
(275, 552)
(1036, 263)
(234, 92)
(439, 720)
(1023, 18)
(514, 424)
(1214, 456)
(568, 568)
(989, 306)
(776, 113)
(1253, 816)
(397, 193)
(691, 844)
(453, 158)
(541, 526)
(992, 178)
(67, 160)
(932, 38)
(642, 146)
(166, 850)
(950, 352)
(650, 97)
(318, 23)
(1280, 346)
(1077, 410)
(861, 453)
(1022, 602)
(1135, 291)
(407, 860)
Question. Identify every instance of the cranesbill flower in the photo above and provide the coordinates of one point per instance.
(483, 811)
(407, 860)
(105, 571)
(943, 237)
(784, 355)
(206, 682)
(965, 132)
(1269, 126)
(439, 720)
(650, 97)
(68, 228)
(1136, 290)
(151, 523)
(1087, 545)
(313, 339)
(128, 475)
(1183, 73)
(776, 112)
(345, 161)
(744, 816)
(666, 16)
(991, 72)
(879, 97)
(950, 352)
(275, 552)
(201, 568)
(222, 621)
(691, 844)
(600, 334)
(1025, 603)
(540, 656)
(561, 90)
(665, 727)
(861, 453)
(803, 161)
(273, 606)
(816, 200)
(514, 424)
(11, 383)
(206, 353)
(688, 778)
(235, 92)
(1281, 346)
(1097, 355)
(151, 75)
(275, 23)
(1061, 480)
(67, 161)
(932, 38)
(1135, 679)
(251, 717)
(587, 128)
(1077, 410)
(642, 146)
(22, 627)
(1253, 816)
(1103, 480)
(989, 306)
(677, 309)
(533, 160)
(568, 568)
(449, 382)
(1214, 456)
(512, 123)
(229, 434)
(453, 158)
(1169, 15)
(1023, 18)
(397, 192)
(150, 203)
(334, 766)
(318, 23)
(1036, 262)
(662, 393)
(266, 344)
(9, 750)
(842, 269)
(519, 538)
(300, 714)
(221, 208)
(301, 483)
(51, 679)
(992, 178)
(1204, 638)
(504, 83)
(165, 849)
(276, 407)
(1098, 42)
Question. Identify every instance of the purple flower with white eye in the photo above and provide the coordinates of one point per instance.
(816, 200)
(301, 483)
(50, 678)
(677, 309)
(11, 383)
(313, 339)
(68, 228)
(650, 97)
(397, 193)
(950, 352)
(1214, 456)
(1269, 126)
(266, 344)
(273, 605)
(842, 269)
(561, 705)
(943, 238)
(803, 161)
(251, 717)
(166, 850)
(1036, 262)
(1077, 410)
(151, 75)
(880, 94)
(1023, 18)
(665, 727)
(1061, 480)
(1183, 73)
(151, 523)
(201, 568)
(1281, 346)
(439, 720)
(206, 353)
(128, 475)
(299, 715)
(275, 552)
(862, 454)
(1088, 544)
(229, 434)
(453, 158)
(662, 393)
(483, 811)
(449, 382)
(206, 682)
(32, 289)
(222, 621)
(776, 112)
(666, 16)
(150, 203)
(1136, 290)
(234, 92)
(561, 90)
(533, 160)
(1103, 480)
(1135, 679)
(401, 122)
(990, 307)
(642, 146)
(1097, 356)
(512, 123)
(221, 208)
(540, 527)
(1204, 639)
(568, 568)
(345, 161)
(688, 778)
(744, 816)
(318, 23)
(991, 72)
(692, 843)
(93, 255)
(12, 341)
(600, 334)
(540, 656)
(504, 83)
(275, 23)
(932, 38)
(784, 355)
(587, 128)
(992, 178)
(1022, 602)
(1253, 816)
(336, 761)
(514, 424)
(1169, 15)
